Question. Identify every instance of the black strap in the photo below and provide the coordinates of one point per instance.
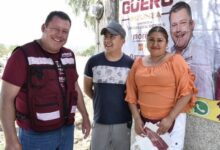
(20, 116)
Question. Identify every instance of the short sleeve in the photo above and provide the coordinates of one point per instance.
(15, 71)
(131, 87)
(184, 80)
(88, 68)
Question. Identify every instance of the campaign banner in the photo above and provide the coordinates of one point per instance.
(207, 109)
(202, 51)
(137, 17)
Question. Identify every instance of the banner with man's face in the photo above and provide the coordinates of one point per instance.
(198, 33)
(137, 17)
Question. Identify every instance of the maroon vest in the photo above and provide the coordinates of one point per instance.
(49, 106)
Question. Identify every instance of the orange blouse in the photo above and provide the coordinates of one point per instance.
(157, 88)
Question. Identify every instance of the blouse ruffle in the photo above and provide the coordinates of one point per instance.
(176, 65)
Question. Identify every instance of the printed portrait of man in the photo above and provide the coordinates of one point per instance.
(194, 49)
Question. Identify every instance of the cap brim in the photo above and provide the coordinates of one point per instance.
(104, 30)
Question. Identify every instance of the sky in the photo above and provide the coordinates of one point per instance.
(21, 22)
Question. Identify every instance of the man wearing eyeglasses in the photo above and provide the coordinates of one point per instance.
(41, 92)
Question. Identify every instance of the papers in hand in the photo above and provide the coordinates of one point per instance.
(152, 141)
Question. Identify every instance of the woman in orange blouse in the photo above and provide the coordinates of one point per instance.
(160, 86)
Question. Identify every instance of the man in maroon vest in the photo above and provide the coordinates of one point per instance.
(40, 91)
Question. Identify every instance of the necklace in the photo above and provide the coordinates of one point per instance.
(155, 62)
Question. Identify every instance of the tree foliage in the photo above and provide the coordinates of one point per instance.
(6, 50)
(81, 7)
(2, 50)
(89, 51)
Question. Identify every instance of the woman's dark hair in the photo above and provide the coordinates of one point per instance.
(59, 14)
(158, 29)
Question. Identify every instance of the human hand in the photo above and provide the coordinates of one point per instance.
(164, 125)
(86, 127)
(13, 146)
(139, 127)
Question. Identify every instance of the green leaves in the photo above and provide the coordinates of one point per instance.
(4, 50)
(81, 7)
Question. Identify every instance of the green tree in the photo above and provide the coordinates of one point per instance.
(89, 51)
(3, 50)
(12, 47)
(81, 7)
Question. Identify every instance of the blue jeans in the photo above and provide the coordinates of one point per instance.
(60, 139)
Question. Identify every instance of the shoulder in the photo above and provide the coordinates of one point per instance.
(97, 58)
(30, 46)
(137, 62)
(179, 64)
(67, 53)
(178, 59)
(128, 59)
(66, 50)
(21, 48)
(17, 54)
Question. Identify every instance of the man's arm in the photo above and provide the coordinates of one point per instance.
(7, 115)
(86, 126)
(88, 87)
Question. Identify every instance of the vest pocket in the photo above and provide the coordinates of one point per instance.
(47, 113)
(38, 79)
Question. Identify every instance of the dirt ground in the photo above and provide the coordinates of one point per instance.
(79, 142)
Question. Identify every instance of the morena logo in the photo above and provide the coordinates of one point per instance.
(132, 6)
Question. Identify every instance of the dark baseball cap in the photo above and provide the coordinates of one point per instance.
(114, 28)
